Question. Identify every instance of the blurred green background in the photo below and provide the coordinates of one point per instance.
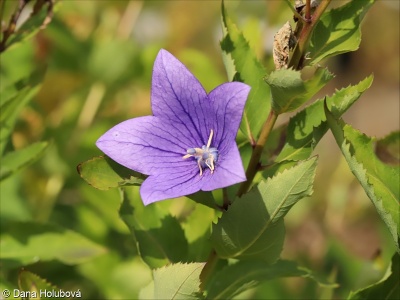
(98, 58)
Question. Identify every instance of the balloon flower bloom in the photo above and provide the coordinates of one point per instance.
(189, 144)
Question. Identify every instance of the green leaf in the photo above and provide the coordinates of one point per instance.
(308, 126)
(31, 286)
(178, 281)
(248, 69)
(338, 30)
(27, 72)
(253, 225)
(10, 108)
(243, 275)
(104, 66)
(6, 285)
(24, 243)
(103, 173)
(13, 161)
(205, 198)
(197, 228)
(387, 288)
(161, 239)
(289, 91)
(388, 149)
(202, 66)
(379, 180)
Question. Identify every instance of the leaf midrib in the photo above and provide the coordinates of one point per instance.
(183, 282)
(272, 216)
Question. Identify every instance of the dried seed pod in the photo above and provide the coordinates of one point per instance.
(283, 42)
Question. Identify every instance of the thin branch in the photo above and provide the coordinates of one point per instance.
(254, 163)
(12, 24)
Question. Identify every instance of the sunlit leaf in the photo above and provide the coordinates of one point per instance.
(112, 275)
(6, 285)
(13, 161)
(308, 126)
(253, 225)
(29, 242)
(103, 173)
(202, 67)
(244, 275)
(34, 287)
(338, 30)
(178, 281)
(248, 69)
(379, 180)
(289, 91)
(387, 288)
(147, 292)
(105, 66)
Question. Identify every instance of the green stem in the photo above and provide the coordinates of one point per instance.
(208, 269)
(257, 151)
(297, 58)
(225, 198)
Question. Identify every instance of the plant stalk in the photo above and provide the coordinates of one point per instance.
(254, 163)
(299, 52)
(208, 269)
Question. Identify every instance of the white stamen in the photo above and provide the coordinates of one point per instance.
(209, 139)
(203, 155)
(201, 169)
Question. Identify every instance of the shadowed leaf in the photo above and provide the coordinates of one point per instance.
(289, 91)
(13, 161)
(29, 242)
(385, 289)
(244, 275)
(161, 239)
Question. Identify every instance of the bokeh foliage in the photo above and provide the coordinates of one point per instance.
(90, 68)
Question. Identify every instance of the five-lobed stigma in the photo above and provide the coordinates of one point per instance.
(206, 156)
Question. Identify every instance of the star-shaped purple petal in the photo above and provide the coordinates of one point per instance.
(168, 145)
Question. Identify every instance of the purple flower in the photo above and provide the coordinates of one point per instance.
(189, 143)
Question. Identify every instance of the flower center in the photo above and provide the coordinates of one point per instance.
(205, 156)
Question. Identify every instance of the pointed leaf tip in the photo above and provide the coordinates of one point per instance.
(103, 173)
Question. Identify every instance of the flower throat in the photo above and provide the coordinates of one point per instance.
(206, 156)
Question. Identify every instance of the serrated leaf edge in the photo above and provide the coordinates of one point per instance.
(199, 265)
(364, 179)
(271, 219)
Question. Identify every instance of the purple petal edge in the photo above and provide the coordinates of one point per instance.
(184, 116)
